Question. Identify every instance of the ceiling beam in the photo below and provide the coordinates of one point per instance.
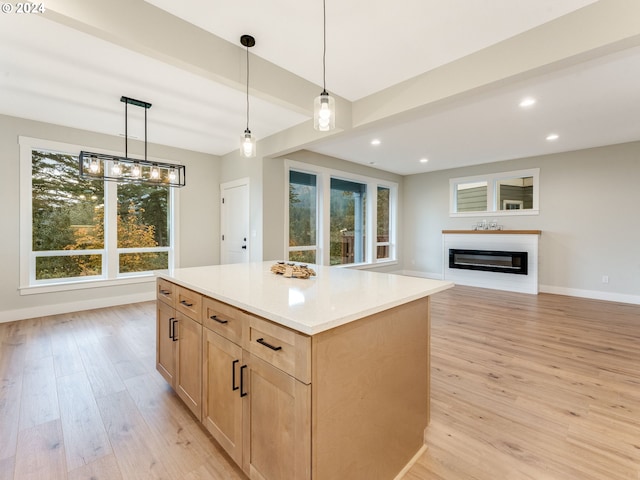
(598, 29)
(143, 28)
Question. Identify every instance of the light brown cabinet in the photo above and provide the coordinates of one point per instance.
(349, 402)
(253, 406)
(276, 423)
(179, 342)
(222, 403)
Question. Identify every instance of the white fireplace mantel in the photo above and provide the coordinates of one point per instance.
(494, 240)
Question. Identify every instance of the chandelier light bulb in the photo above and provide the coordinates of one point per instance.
(155, 173)
(116, 169)
(172, 175)
(94, 167)
(136, 171)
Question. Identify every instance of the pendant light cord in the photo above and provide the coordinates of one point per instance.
(247, 87)
(324, 47)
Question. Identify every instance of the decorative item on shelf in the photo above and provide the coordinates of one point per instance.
(131, 170)
(247, 141)
(324, 106)
(291, 270)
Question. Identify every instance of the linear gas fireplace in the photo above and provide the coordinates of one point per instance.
(489, 260)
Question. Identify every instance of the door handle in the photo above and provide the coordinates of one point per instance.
(244, 247)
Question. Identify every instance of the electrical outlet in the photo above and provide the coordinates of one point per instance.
(605, 279)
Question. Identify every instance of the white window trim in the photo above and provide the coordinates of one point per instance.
(492, 207)
(27, 277)
(323, 206)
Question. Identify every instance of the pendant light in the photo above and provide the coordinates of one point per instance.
(247, 141)
(100, 166)
(324, 106)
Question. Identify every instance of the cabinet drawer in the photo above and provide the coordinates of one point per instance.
(285, 349)
(189, 303)
(165, 291)
(223, 319)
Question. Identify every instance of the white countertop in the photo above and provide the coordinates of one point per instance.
(333, 297)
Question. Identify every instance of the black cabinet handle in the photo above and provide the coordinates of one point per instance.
(165, 292)
(215, 317)
(242, 392)
(173, 330)
(184, 302)
(233, 375)
(268, 345)
(171, 327)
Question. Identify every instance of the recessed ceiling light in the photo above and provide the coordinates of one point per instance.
(527, 102)
(424, 160)
(375, 141)
(552, 136)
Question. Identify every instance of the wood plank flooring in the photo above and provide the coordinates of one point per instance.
(532, 387)
(523, 387)
(80, 399)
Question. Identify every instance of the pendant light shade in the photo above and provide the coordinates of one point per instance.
(324, 106)
(247, 144)
(324, 116)
(247, 140)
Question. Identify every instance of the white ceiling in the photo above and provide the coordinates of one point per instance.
(52, 73)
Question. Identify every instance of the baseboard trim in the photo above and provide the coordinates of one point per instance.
(417, 273)
(592, 294)
(570, 292)
(413, 460)
(56, 309)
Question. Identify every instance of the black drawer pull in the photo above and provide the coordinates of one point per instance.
(233, 375)
(268, 345)
(165, 292)
(184, 302)
(242, 392)
(173, 328)
(215, 317)
(171, 324)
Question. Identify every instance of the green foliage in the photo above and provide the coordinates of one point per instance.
(68, 214)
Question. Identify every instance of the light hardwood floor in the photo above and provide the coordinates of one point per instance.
(523, 387)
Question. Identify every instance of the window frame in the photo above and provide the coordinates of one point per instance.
(492, 180)
(110, 253)
(323, 209)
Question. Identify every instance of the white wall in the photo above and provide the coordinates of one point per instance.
(198, 216)
(589, 218)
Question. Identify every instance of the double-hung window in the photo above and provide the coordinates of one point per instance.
(76, 230)
(336, 218)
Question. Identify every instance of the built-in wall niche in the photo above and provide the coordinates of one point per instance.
(503, 193)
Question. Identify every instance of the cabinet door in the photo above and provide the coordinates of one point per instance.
(276, 423)
(189, 363)
(166, 347)
(222, 405)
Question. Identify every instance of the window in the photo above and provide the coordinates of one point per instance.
(76, 230)
(348, 222)
(335, 218)
(383, 224)
(303, 206)
(508, 193)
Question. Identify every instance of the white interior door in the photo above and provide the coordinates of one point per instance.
(234, 218)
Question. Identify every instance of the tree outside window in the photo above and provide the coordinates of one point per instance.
(68, 222)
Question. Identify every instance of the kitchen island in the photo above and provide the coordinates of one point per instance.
(324, 378)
